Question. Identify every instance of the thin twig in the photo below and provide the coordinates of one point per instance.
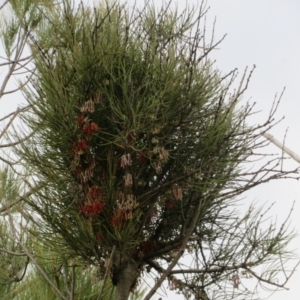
(3, 4)
(107, 271)
(72, 282)
(13, 253)
(6, 207)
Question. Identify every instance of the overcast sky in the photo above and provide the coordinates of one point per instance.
(264, 33)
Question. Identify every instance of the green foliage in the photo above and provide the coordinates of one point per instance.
(9, 187)
(25, 16)
(9, 35)
(13, 262)
(129, 109)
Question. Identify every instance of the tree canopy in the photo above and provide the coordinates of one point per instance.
(135, 152)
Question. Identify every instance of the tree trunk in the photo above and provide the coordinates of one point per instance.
(125, 279)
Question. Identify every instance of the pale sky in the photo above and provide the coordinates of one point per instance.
(264, 33)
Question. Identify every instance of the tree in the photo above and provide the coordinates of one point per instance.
(136, 152)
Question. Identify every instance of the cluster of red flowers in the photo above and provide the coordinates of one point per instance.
(94, 208)
(119, 218)
(95, 200)
(88, 128)
(80, 147)
(91, 128)
(83, 165)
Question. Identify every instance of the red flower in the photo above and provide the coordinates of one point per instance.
(119, 218)
(80, 119)
(94, 192)
(80, 147)
(94, 208)
(90, 128)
